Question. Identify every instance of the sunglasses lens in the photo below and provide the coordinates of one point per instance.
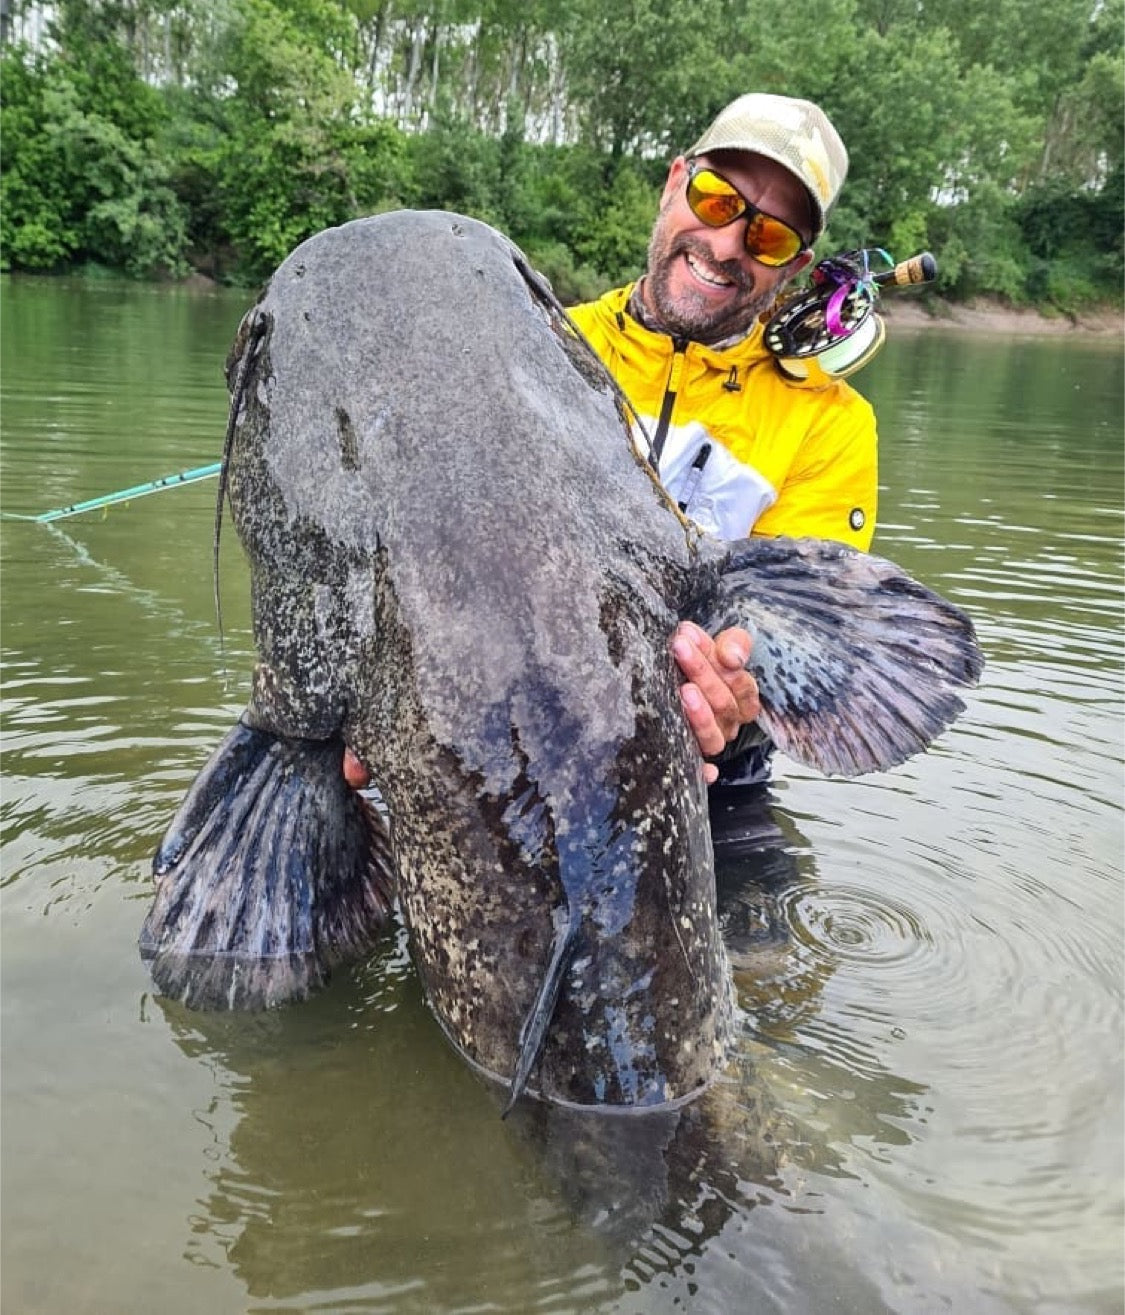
(715, 202)
(771, 241)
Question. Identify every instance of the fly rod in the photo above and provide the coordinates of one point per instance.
(122, 495)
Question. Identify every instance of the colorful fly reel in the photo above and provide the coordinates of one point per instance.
(831, 325)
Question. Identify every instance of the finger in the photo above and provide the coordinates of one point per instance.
(732, 648)
(701, 718)
(699, 637)
(732, 653)
(727, 652)
(694, 651)
(724, 657)
(356, 775)
(744, 690)
(713, 684)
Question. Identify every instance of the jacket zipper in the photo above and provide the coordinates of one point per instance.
(671, 388)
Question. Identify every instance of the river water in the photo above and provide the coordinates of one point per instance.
(929, 1106)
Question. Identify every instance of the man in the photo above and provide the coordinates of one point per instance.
(741, 446)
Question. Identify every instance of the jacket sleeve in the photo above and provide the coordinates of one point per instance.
(831, 489)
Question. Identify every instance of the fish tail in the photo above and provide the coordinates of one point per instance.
(272, 871)
(858, 665)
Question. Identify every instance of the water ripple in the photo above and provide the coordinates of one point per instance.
(851, 925)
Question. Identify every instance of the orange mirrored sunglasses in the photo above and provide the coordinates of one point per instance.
(716, 203)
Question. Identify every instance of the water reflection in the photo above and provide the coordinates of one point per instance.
(367, 1161)
(101, 703)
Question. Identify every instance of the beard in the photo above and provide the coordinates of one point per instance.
(689, 315)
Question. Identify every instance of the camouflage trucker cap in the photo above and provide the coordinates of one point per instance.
(795, 133)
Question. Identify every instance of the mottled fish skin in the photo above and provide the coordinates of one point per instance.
(462, 567)
(445, 564)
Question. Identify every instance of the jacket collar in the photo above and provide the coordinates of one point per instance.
(745, 351)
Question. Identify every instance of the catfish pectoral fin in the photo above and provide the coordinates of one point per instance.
(858, 665)
(272, 871)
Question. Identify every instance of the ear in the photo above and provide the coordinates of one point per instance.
(674, 183)
(800, 262)
(789, 273)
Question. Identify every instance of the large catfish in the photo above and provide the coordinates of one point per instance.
(463, 567)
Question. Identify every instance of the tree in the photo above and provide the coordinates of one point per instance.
(991, 134)
(642, 73)
(292, 149)
(82, 178)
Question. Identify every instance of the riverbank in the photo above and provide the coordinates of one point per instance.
(914, 311)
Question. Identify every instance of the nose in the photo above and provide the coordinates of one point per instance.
(729, 243)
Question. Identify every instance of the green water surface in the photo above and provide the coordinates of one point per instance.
(932, 1029)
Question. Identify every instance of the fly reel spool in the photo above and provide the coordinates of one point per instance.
(832, 320)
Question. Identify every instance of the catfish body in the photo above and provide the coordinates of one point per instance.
(463, 567)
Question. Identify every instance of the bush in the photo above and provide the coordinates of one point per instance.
(1075, 240)
(613, 235)
(571, 281)
(75, 185)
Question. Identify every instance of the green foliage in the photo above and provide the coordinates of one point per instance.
(1075, 239)
(454, 167)
(615, 224)
(572, 282)
(149, 133)
(642, 73)
(979, 250)
(76, 183)
(34, 229)
(287, 152)
(909, 234)
(772, 49)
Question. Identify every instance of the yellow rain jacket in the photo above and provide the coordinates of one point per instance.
(742, 448)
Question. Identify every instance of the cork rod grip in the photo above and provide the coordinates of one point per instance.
(921, 268)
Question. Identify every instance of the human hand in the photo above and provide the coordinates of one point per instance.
(719, 696)
(356, 775)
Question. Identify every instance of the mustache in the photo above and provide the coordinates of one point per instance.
(688, 244)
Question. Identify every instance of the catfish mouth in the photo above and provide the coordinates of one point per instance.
(598, 1109)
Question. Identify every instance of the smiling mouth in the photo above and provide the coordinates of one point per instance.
(706, 274)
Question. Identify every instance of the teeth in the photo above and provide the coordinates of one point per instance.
(716, 280)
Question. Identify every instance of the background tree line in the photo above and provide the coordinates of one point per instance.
(158, 136)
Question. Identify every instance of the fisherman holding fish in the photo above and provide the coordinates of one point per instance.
(742, 447)
(470, 576)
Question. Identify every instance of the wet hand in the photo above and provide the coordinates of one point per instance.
(356, 775)
(719, 695)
